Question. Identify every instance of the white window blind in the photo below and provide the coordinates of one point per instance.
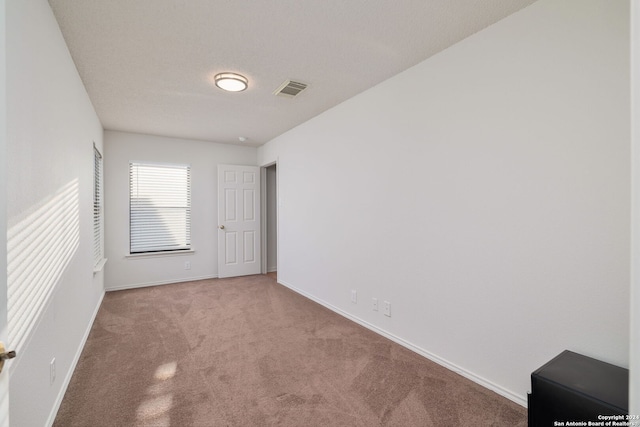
(97, 206)
(160, 207)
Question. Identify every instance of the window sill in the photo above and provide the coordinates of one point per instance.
(99, 266)
(160, 254)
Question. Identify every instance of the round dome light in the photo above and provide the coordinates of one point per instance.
(231, 82)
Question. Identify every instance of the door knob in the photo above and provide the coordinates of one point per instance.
(5, 355)
(221, 227)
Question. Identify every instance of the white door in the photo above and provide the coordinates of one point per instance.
(4, 333)
(238, 220)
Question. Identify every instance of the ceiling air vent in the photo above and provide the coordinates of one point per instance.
(290, 89)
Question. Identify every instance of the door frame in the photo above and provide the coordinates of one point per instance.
(263, 215)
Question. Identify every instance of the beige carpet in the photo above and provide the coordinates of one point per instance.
(249, 352)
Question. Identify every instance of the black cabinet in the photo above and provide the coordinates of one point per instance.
(573, 387)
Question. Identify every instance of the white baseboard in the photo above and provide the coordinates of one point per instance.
(163, 282)
(74, 362)
(271, 269)
(520, 400)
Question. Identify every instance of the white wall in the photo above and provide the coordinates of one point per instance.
(51, 127)
(272, 219)
(634, 357)
(483, 192)
(120, 148)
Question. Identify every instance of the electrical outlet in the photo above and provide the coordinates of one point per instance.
(375, 304)
(354, 296)
(187, 265)
(52, 371)
(387, 308)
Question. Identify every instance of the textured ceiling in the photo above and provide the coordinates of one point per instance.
(148, 64)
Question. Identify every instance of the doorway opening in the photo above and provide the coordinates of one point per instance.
(270, 220)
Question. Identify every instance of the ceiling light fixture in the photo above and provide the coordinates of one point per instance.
(231, 82)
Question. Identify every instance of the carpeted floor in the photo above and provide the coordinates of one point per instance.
(249, 352)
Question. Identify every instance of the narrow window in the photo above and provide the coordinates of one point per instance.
(159, 207)
(97, 207)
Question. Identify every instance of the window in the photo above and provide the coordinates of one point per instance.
(159, 207)
(97, 208)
